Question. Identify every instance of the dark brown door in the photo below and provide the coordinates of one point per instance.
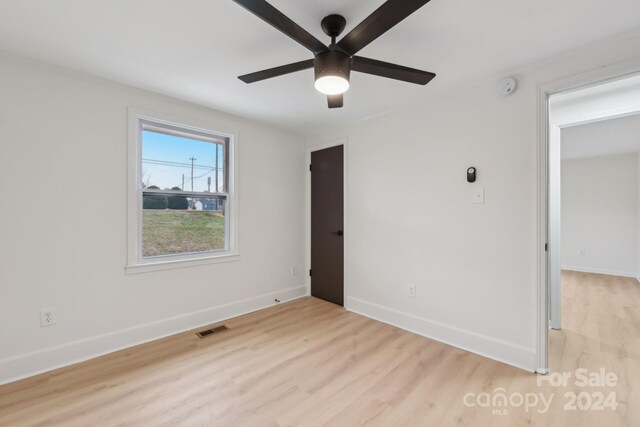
(327, 214)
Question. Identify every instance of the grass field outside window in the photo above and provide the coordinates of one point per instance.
(168, 232)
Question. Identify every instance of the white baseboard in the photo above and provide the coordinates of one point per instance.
(502, 351)
(36, 362)
(633, 274)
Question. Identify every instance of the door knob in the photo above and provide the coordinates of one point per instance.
(337, 233)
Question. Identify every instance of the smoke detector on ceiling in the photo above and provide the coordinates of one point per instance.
(506, 86)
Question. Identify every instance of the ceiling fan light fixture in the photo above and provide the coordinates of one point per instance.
(333, 63)
(332, 85)
(332, 70)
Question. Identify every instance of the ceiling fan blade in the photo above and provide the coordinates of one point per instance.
(280, 21)
(378, 23)
(390, 71)
(277, 71)
(335, 101)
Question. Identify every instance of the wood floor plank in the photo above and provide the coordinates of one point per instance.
(312, 363)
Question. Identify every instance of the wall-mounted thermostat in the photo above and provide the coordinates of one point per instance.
(506, 86)
(471, 174)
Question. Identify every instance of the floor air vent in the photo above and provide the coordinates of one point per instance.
(211, 331)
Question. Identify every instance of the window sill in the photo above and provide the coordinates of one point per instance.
(180, 263)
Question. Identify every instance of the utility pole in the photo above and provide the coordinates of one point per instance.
(182, 188)
(193, 159)
(217, 149)
(208, 184)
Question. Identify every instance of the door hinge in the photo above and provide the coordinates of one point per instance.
(546, 247)
(309, 168)
(309, 272)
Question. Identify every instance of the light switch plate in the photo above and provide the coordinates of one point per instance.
(478, 196)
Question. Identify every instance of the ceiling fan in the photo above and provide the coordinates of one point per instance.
(333, 64)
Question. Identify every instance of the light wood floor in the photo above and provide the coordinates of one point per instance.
(311, 363)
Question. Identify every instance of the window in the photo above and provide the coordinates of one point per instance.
(182, 194)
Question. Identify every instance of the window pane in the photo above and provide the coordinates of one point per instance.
(173, 225)
(171, 162)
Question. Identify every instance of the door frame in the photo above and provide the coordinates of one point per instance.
(545, 130)
(345, 227)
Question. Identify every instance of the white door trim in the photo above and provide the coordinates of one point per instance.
(580, 81)
(345, 156)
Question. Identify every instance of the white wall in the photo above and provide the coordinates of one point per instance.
(63, 229)
(600, 214)
(602, 138)
(411, 218)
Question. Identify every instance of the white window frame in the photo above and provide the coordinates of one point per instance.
(136, 263)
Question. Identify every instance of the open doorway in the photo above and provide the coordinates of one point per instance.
(593, 222)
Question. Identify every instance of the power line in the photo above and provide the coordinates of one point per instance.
(209, 170)
(168, 163)
(198, 177)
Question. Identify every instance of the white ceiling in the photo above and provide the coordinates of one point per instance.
(195, 49)
(604, 138)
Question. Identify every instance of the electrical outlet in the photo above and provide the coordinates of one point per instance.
(294, 270)
(583, 252)
(412, 290)
(47, 317)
